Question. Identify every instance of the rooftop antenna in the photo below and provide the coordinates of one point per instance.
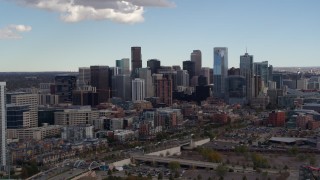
(246, 50)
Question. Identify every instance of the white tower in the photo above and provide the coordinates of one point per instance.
(138, 89)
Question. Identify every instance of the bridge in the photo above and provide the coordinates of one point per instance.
(183, 162)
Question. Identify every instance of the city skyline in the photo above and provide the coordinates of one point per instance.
(39, 40)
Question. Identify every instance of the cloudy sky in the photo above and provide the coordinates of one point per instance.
(49, 35)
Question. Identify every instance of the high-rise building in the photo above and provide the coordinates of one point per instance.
(190, 67)
(236, 89)
(123, 65)
(182, 78)
(138, 89)
(121, 87)
(84, 77)
(154, 65)
(30, 100)
(196, 57)
(220, 72)
(3, 126)
(18, 116)
(205, 71)
(136, 59)
(64, 86)
(261, 69)
(278, 78)
(163, 90)
(246, 70)
(100, 80)
(145, 73)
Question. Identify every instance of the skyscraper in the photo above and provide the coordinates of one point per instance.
(154, 65)
(220, 72)
(64, 86)
(121, 87)
(145, 73)
(163, 89)
(138, 90)
(84, 77)
(236, 89)
(196, 57)
(261, 69)
(100, 80)
(182, 78)
(190, 67)
(205, 71)
(3, 119)
(136, 59)
(123, 65)
(246, 70)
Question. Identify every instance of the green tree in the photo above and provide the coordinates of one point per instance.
(199, 177)
(160, 175)
(221, 170)
(174, 165)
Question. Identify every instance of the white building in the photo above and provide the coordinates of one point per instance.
(138, 89)
(302, 84)
(77, 133)
(75, 116)
(3, 124)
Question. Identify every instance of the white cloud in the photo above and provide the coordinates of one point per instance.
(124, 11)
(13, 31)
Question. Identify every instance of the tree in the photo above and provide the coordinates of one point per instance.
(221, 170)
(160, 175)
(174, 165)
(244, 177)
(109, 172)
(199, 177)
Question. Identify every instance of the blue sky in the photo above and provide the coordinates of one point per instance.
(283, 32)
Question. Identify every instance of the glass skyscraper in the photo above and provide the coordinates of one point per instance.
(246, 70)
(220, 71)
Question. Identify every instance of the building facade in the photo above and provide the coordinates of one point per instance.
(246, 70)
(220, 71)
(136, 60)
(3, 125)
(196, 57)
(138, 90)
(100, 80)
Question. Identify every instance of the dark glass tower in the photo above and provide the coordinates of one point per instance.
(136, 59)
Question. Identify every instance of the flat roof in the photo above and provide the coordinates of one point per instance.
(287, 139)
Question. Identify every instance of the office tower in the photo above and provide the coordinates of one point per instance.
(25, 99)
(211, 76)
(163, 90)
(123, 65)
(3, 119)
(136, 60)
(258, 84)
(234, 72)
(176, 67)
(145, 73)
(190, 67)
(154, 65)
(270, 72)
(302, 84)
(138, 90)
(64, 85)
(278, 78)
(182, 78)
(85, 98)
(169, 73)
(236, 89)
(261, 69)
(100, 80)
(84, 77)
(18, 116)
(246, 70)
(202, 80)
(206, 73)
(121, 87)
(196, 57)
(220, 72)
